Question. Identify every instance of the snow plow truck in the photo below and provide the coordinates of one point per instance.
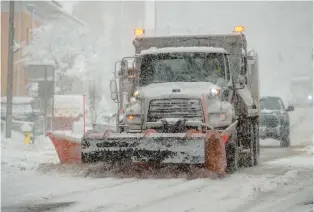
(187, 99)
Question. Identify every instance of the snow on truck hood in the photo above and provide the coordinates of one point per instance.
(190, 88)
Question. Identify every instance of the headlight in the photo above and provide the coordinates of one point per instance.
(214, 92)
(309, 97)
(134, 97)
(135, 94)
(130, 117)
(134, 119)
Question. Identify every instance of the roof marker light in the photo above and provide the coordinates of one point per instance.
(238, 29)
(139, 31)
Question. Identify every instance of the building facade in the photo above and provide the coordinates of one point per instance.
(28, 15)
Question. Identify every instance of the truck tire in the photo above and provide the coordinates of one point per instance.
(232, 153)
(248, 139)
(256, 145)
(85, 158)
(285, 142)
(285, 138)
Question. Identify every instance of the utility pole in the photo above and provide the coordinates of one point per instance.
(45, 103)
(53, 100)
(10, 71)
(155, 17)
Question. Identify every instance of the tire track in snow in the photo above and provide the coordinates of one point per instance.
(168, 183)
(286, 194)
(174, 193)
(209, 193)
(121, 182)
(126, 193)
(109, 186)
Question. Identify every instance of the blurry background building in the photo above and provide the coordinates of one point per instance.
(28, 15)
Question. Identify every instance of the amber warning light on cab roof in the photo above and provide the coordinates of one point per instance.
(238, 29)
(139, 31)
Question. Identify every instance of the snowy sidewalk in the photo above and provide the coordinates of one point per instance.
(26, 156)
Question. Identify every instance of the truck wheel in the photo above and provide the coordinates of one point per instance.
(85, 158)
(232, 153)
(248, 139)
(256, 145)
(285, 142)
(285, 138)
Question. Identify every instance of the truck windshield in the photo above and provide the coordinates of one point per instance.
(182, 67)
(270, 104)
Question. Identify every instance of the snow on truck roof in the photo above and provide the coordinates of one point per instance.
(232, 43)
(189, 35)
(154, 50)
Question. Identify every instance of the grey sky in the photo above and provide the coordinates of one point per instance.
(281, 32)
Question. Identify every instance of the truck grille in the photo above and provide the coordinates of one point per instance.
(175, 108)
(269, 121)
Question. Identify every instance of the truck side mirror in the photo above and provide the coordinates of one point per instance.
(124, 67)
(290, 108)
(114, 90)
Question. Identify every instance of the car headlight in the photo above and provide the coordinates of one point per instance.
(309, 97)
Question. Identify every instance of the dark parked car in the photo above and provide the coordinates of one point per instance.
(274, 120)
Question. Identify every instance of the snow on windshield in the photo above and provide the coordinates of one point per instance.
(182, 67)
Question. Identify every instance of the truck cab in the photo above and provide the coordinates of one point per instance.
(172, 83)
(195, 78)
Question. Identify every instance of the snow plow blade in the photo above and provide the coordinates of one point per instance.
(67, 147)
(158, 147)
(193, 147)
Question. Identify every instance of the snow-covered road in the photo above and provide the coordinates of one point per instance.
(282, 182)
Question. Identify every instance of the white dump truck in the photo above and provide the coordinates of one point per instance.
(179, 84)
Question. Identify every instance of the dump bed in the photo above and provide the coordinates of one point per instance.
(233, 43)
